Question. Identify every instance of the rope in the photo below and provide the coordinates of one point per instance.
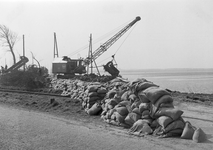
(121, 44)
(124, 40)
(97, 40)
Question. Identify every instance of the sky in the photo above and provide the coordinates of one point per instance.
(170, 34)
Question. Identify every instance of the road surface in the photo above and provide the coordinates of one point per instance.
(29, 130)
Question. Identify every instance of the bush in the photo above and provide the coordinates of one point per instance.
(31, 78)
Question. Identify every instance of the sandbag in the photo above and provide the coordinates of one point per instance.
(93, 94)
(113, 116)
(111, 111)
(136, 110)
(154, 93)
(93, 88)
(145, 114)
(101, 95)
(164, 121)
(110, 106)
(124, 103)
(199, 136)
(84, 104)
(164, 99)
(125, 95)
(102, 90)
(103, 113)
(146, 129)
(140, 126)
(144, 85)
(119, 118)
(154, 124)
(172, 133)
(188, 131)
(170, 112)
(143, 106)
(95, 98)
(132, 97)
(122, 111)
(167, 105)
(107, 116)
(143, 98)
(135, 104)
(94, 109)
(176, 132)
(111, 93)
(113, 102)
(177, 124)
(117, 98)
(89, 105)
(91, 102)
(131, 118)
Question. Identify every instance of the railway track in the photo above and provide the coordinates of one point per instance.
(29, 92)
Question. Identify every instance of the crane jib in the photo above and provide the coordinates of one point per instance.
(110, 42)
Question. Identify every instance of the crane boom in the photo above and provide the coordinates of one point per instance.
(110, 42)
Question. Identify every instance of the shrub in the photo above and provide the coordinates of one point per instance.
(31, 78)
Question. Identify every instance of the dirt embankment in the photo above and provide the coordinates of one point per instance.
(68, 107)
(196, 107)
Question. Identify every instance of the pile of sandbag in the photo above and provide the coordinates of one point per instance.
(95, 93)
(147, 109)
(140, 105)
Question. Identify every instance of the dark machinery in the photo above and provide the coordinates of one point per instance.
(17, 65)
(66, 65)
(70, 66)
(111, 69)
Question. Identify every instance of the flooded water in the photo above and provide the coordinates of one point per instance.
(183, 80)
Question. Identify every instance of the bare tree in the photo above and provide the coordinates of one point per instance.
(36, 60)
(8, 39)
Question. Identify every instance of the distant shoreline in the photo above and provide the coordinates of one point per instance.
(169, 69)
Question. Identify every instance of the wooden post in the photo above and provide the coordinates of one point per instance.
(55, 46)
(24, 51)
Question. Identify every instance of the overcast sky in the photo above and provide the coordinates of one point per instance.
(170, 34)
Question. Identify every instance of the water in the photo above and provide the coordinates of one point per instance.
(183, 80)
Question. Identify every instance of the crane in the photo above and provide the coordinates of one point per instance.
(69, 66)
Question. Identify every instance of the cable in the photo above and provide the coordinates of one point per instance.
(124, 40)
(103, 60)
(97, 40)
(120, 45)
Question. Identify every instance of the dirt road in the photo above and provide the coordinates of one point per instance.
(22, 129)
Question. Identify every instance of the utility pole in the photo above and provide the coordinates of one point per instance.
(90, 50)
(55, 46)
(24, 51)
(91, 59)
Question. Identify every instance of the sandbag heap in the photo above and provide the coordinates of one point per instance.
(141, 106)
(145, 108)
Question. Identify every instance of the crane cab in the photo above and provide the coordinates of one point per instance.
(66, 65)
